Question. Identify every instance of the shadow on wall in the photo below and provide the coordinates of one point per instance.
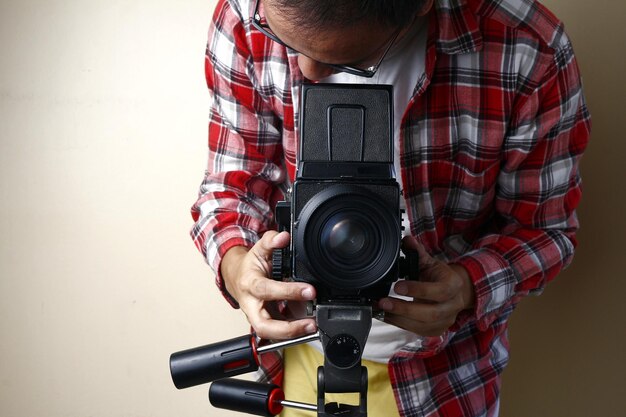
(568, 345)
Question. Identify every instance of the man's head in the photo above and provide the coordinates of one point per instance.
(356, 33)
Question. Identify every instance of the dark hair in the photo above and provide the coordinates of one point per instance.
(316, 14)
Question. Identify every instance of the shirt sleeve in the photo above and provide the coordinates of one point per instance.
(245, 169)
(539, 188)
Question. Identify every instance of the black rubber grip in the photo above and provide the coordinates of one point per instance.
(246, 397)
(215, 361)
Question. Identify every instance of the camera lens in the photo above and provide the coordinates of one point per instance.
(348, 237)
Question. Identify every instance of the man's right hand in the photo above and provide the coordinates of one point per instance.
(247, 278)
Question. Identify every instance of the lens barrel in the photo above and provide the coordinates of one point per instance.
(348, 237)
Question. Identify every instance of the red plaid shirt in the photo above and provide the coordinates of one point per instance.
(491, 144)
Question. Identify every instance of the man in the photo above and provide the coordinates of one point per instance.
(490, 126)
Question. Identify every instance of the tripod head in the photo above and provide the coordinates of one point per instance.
(342, 330)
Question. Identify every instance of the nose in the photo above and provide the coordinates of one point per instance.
(313, 70)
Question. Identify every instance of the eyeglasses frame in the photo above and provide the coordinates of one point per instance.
(368, 72)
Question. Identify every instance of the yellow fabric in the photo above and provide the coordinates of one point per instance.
(300, 384)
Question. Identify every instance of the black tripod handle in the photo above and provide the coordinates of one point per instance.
(246, 397)
(215, 361)
(251, 397)
(225, 359)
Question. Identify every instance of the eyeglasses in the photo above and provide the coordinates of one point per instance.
(261, 24)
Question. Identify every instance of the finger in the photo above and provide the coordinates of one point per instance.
(270, 290)
(281, 329)
(425, 314)
(425, 260)
(422, 329)
(433, 291)
(270, 241)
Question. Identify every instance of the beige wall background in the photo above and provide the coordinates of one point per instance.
(102, 146)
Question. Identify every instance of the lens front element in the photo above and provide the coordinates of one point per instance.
(346, 237)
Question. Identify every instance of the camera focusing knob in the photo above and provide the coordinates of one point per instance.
(278, 264)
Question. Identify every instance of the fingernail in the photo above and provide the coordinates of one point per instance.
(310, 328)
(307, 294)
(400, 288)
(386, 305)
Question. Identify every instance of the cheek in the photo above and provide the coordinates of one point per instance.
(312, 69)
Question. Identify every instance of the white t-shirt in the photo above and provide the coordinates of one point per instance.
(402, 68)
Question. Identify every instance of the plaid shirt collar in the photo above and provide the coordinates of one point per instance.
(453, 29)
(456, 26)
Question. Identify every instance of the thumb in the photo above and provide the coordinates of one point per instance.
(425, 260)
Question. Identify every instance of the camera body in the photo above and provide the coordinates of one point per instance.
(344, 208)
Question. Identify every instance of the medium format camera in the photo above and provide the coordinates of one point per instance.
(344, 211)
